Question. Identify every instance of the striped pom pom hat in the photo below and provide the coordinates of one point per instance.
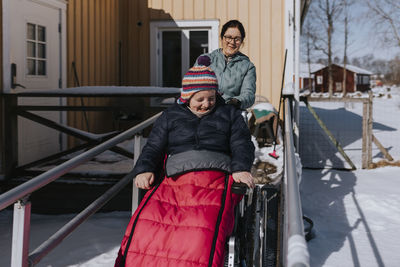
(198, 78)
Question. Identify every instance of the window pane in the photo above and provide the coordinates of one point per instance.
(30, 33)
(30, 66)
(365, 79)
(41, 51)
(198, 44)
(42, 33)
(41, 67)
(171, 58)
(31, 52)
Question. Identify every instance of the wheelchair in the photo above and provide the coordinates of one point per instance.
(254, 241)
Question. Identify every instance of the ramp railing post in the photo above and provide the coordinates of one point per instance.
(136, 152)
(21, 232)
(10, 135)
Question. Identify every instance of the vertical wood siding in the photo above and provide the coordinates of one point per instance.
(97, 27)
(262, 19)
(92, 45)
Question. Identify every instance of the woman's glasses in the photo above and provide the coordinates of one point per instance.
(232, 39)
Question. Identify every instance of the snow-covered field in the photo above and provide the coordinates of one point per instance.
(356, 214)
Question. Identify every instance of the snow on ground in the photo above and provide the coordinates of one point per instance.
(94, 243)
(356, 214)
(344, 120)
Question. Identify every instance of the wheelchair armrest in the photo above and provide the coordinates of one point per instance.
(240, 189)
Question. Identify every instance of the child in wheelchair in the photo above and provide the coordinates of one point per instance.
(187, 215)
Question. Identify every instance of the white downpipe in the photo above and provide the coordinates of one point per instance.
(297, 28)
(289, 45)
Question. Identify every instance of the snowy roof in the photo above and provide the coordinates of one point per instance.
(352, 68)
(356, 69)
(313, 68)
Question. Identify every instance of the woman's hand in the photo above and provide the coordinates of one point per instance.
(144, 180)
(244, 177)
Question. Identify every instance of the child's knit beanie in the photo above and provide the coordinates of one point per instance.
(198, 78)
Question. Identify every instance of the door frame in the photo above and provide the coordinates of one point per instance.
(157, 26)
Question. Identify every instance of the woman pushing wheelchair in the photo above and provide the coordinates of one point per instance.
(203, 145)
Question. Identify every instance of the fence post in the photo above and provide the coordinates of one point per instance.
(370, 125)
(20, 236)
(10, 135)
(136, 153)
(364, 163)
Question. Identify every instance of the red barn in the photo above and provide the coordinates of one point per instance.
(357, 79)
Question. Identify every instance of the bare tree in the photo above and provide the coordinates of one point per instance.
(308, 40)
(393, 75)
(325, 13)
(386, 14)
(346, 4)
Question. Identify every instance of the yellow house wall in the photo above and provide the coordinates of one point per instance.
(262, 19)
(92, 46)
(97, 29)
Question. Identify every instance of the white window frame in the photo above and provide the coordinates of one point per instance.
(320, 79)
(156, 27)
(36, 57)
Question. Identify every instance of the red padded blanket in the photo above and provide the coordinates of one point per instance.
(184, 221)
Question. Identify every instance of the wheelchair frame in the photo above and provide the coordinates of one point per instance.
(255, 238)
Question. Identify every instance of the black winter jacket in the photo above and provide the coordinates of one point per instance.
(179, 130)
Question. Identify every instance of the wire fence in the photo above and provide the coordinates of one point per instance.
(345, 121)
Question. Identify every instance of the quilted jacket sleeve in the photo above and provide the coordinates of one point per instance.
(248, 89)
(153, 152)
(242, 147)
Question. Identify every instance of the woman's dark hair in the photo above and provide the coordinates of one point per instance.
(233, 24)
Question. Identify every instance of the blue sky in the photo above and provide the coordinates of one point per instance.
(362, 40)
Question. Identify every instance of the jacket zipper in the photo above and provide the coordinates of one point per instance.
(197, 134)
(223, 74)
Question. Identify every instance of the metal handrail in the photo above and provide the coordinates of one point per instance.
(55, 239)
(295, 246)
(51, 175)
(20, 194)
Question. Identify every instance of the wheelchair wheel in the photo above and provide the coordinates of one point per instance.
(270, 226)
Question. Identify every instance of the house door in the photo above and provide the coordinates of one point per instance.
(175, 45)
(33, 42)
(179, 50)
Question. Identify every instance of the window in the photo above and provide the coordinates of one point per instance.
(319, 79)
(180, 52)
(175, 45)
(36, 50)
(365, 79)
(338, 87)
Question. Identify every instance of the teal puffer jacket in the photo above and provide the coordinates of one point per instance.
(236, 78)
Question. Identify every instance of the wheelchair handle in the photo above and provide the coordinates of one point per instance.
(240, 188)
